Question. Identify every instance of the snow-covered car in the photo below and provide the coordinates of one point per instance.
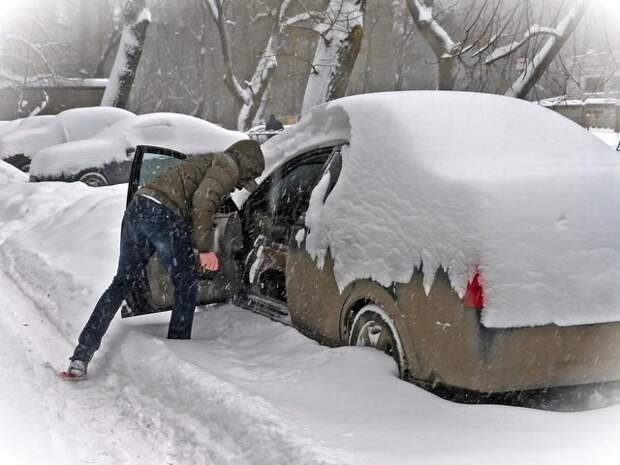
(31, 123)
(17, 146)
(107, 157)
(472, 237)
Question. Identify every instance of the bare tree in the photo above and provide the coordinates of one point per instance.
(542, 58)
(341, 33)
(136, 22)
(437, 38)
(249, 94)
(478, 20)
(487, 23)
(403, 32)
(111, 44)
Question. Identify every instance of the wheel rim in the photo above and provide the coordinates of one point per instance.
(25, 167)
(94, 180)
(373, 327)
(374, 334)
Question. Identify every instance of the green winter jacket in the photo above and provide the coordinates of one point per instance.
(195, 188)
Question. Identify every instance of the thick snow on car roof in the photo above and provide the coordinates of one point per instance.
(35, 133)
(31, 122)
(183, 133)
(461, 180)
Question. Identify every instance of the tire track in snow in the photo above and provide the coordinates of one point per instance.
(25, 435)
(88, 422)
(194, 416)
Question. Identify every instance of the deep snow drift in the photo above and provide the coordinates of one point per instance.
(245, 390)
(463, 180)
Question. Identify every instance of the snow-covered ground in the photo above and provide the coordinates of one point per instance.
(245, 390)
(609, 136)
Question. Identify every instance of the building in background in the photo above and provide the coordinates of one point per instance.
(49, 96)
(592, 96)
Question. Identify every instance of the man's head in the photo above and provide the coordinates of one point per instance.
(250, 161)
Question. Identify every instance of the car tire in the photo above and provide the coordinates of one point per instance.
(94, 179)
(372, 327)
(25, 167)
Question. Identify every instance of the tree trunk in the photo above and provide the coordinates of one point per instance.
(438, 39)
(336, 52)
(254, 93)
(447, 73)
(111, 44)
(137, 20)
(250, 95)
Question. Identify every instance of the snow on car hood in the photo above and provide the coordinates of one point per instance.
(183, 133)
(461, 180)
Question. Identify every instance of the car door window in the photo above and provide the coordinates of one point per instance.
(292, 195)
(154, 164)
(148, 163)
(333, 168)
(283, 198)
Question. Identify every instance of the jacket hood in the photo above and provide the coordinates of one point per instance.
(248, 156)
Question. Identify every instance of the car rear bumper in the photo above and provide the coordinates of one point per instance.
(546, 356)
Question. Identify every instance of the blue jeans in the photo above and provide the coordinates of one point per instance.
(147, 227)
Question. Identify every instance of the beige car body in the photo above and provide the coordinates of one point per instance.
(439, 340)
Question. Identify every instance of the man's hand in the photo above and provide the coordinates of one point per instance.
(209, 261)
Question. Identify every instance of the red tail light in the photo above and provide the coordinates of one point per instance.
(474, 295)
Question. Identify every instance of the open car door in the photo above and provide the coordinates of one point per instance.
(154, 291)
(271, 218)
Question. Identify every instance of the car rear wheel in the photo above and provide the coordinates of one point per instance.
(93, 179)
(372, 327)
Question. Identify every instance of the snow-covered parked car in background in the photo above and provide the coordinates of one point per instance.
(18, 145)
(22, 125)
(479, 249)
(107, 157)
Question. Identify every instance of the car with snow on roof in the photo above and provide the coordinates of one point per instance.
(106, 158)
(19, 144)
(19, 160)
(479, 252)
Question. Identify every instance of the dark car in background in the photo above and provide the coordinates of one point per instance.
(106, 158)
(30, 135)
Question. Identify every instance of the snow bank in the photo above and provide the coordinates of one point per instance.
(27, 137)
(462, 180)
(179, 132)
(609, 136)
